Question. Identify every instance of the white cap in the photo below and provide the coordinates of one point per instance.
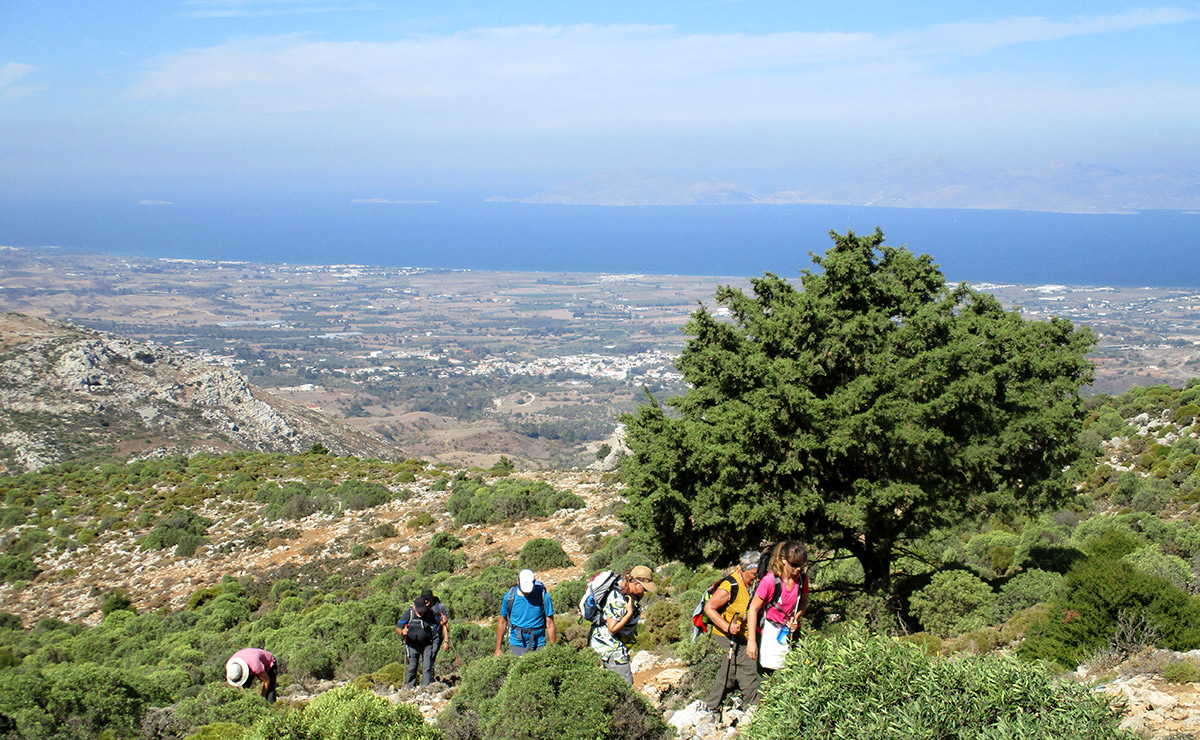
(525, 580)
(237, 672)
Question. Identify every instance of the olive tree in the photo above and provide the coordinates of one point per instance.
(864, 410)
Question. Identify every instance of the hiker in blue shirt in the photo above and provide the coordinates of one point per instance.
(527, 615)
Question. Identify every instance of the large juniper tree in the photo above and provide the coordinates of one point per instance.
(863, 411)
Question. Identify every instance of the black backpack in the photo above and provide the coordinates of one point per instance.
(420, 631)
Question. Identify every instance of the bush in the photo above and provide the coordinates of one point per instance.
(556, 693)
(440, 560)
(1103, 592)
(863, 686)
(182, 530)
(347, 713)
(116, 601)
(566, 595)
(510, 499)
(218, 731)
(1171, 568)
(629, 560)
(18, 568)
(478, 598)
(420, 521)
(1181, 671)
(445, 540)
(954, 602)
(543, 554)
(662, 620)
(1027, 589)
(219, 703)
(359, 494)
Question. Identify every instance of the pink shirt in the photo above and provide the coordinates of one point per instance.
(786, 606)
(257, 660)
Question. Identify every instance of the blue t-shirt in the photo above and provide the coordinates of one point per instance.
(528, 612)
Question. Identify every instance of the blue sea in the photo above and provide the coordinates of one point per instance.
(1155, 248)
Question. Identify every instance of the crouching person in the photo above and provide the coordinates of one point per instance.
(622, 610)
(250, 663)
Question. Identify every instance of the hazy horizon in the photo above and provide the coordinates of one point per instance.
(165, 103)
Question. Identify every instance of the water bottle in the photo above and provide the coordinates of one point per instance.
(782, 637)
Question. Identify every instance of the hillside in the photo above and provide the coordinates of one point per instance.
(68, 393)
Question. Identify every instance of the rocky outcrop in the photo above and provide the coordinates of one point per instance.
(67, 391)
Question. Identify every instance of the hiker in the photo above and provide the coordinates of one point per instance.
(421, 629)
(726, 610)
(527, 615)
(622, 610)
(249, 663)
(780, 598)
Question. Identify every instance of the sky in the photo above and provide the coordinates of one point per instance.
(409, 101)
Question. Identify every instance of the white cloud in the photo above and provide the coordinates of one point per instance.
(524, 92)
(977, 38)
(10, 75)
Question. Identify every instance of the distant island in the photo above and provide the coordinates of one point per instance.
(923, 182)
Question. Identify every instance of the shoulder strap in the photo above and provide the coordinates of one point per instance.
(733, 586)
(510, 597)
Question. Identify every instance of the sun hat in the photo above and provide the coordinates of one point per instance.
(645, 575)
(237, 672)
(525, 581)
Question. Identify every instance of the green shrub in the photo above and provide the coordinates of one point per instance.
(182, 530)
(86, 700)
(629, 560)
(384, 531)
(1103, 591)
(218, 731)
(347, 713)
(420, 521)
(1181, 671)
(359, 494)
(993, 549)
(440, 560)
(479, 597)
(509, 499)
(1034, 586)
(1170, 568)
(556, 693)
(662, 622)
(217, 703)
(954, 602)
(116, 601)
(543, 554)
(566, 595)
(863, 686)
(445, 540)
(18, 568)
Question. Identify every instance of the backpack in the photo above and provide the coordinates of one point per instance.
(420, 632)
(591, 605)
(699, 618)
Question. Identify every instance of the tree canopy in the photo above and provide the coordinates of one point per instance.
(864, 410)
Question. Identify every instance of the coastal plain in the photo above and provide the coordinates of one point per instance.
(464, 367)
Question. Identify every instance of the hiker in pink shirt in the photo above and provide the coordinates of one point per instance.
(249, 663)
(778, 603)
